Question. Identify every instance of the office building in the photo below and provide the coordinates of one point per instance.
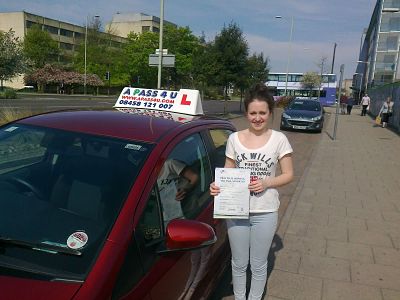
(124, 23)
(67, 35)
(378, 62)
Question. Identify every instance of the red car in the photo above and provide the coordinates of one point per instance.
(111, 204)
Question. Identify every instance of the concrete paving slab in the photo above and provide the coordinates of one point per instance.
(350, 251)
(376, 275)
(348, 222)
(296, 228)
(287, 285)
(304, 245)
(369, 237)
(390, 294)
(364, 213)
(395, 240)
(391, 216)
(338, 290)
(333, 232)
(325, 267)
(383, 227)
(310, 218)
(288, 261)
(387, 256)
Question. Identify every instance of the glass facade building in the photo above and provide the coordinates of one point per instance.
(379, 50)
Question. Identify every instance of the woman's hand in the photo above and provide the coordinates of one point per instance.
(214, 190)
(258, 186)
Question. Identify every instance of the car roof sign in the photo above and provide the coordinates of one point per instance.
(184, 101)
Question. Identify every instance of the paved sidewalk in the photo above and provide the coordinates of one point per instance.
(341, 231)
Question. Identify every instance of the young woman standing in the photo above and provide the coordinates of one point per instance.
(259, 149)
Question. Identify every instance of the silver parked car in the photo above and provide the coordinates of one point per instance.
(303, 114)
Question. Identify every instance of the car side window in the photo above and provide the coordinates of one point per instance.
(184, 180)
(26, 150)
(219, 138)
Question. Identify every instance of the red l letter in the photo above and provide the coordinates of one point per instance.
(184, 101)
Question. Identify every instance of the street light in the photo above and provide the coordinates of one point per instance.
(289, 51)
(359, 88)
(86, 33)
(364, 72)
(160, 52)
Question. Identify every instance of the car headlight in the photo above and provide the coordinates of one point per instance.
(286, 116)
(317, 118)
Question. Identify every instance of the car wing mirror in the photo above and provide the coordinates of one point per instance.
(183, 235)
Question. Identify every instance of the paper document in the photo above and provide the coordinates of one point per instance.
(233, 199)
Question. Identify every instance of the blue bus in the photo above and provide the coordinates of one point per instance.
(327, 92)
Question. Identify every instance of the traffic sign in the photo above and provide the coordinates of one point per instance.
(164, 51)
(167, 60)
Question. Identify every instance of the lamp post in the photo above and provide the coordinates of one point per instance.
(86, 33)
(160, 52)
(364, 72)
(289, 50)
(359, 88)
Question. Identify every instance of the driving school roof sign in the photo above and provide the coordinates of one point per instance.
(183, 101)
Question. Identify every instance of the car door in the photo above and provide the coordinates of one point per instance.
(180, 191)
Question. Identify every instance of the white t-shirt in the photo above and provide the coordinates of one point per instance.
(365, 100)
(168, 185)
(262, 162)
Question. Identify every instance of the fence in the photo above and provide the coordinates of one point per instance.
(379, 94)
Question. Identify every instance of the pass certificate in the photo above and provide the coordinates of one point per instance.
(233, 201)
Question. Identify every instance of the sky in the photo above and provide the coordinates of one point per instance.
(317, 24)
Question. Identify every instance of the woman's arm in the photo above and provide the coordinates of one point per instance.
(285, 177)
(229, 163)
(272, 182)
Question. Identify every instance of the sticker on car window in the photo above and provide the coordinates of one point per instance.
(10, 129)
(77, 240)
(133, 147)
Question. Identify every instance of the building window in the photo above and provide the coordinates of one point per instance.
(65, 32)
(156, 29)
(145, 28)
(390, 22)
(391, 4)
(29, 24)
(79, 35)
(50, 29)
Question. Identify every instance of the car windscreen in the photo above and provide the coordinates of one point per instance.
(60, 194)
(304, 105)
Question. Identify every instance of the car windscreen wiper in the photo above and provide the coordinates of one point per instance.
(46, 247)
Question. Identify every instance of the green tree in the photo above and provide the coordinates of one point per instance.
(256, 71)
(102, 55)
(137, 52)
(181, 42)
(204, 67)
(230, 51)
(311, 80)
(40, 48)
(11, 56)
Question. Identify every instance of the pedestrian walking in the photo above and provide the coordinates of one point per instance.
(260, 149)
(386, 111)
(365, 102)
(343, 104)
(350, 103)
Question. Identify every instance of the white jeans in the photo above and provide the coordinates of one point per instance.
(251, 239)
